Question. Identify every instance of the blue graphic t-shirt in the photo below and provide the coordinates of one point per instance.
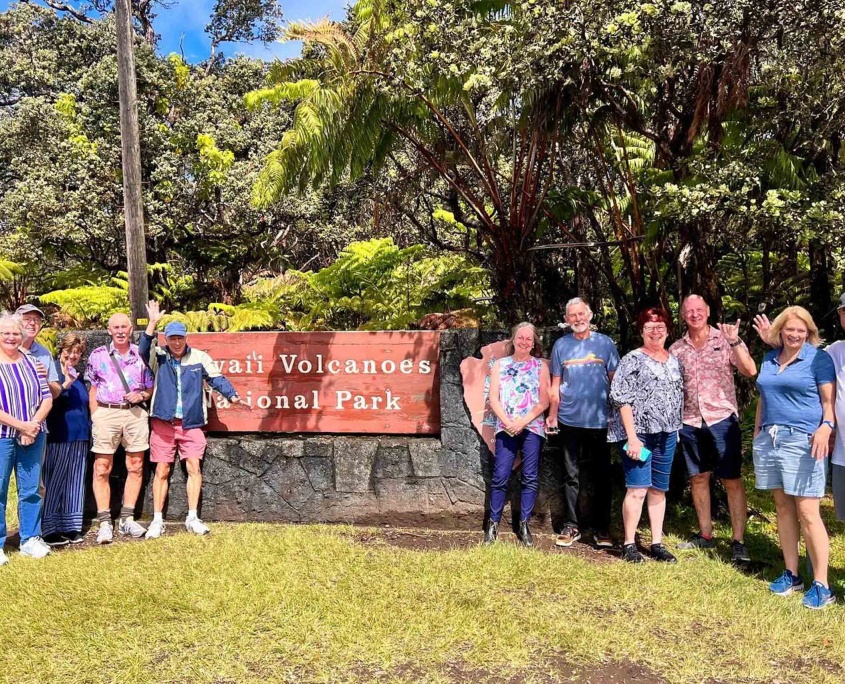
(582, 366)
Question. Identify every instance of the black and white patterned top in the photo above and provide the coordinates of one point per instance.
(653, 390)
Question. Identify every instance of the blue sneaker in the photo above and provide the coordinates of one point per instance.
(786, 584)
(818, 597)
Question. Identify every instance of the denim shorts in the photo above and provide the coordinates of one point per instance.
(653, 472)
(783, 459)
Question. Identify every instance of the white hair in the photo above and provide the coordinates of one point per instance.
(577, 300)
(16, 320)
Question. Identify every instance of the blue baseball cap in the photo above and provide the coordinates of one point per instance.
(175, 328)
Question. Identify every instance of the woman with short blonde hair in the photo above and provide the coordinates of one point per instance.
(804, 316)
(792, 430)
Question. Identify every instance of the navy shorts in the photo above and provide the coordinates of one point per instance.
(713, 448)
(653, 472)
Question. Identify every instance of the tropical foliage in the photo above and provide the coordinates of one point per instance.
(652, 139)
(513, 151)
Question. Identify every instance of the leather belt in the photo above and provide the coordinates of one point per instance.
(122, 405)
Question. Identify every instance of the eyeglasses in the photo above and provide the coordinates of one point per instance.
(654, 328)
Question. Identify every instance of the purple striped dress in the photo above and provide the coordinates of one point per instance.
(21, 392)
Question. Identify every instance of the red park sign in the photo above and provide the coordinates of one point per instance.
(365, 382)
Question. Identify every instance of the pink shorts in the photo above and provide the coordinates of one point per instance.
(166, 438)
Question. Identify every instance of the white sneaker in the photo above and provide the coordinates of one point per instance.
(155, 530)
(3, 558)
(34, 547)
(106, 533)
(130, 527)
(196, 526)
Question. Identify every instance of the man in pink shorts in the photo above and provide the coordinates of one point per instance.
(178, 413)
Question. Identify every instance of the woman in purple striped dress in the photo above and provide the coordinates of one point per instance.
(25, 402)
(68, 442)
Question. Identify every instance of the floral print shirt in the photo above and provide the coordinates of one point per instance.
(519, 391)
(101, 373)
(653, 390)
(709, 390)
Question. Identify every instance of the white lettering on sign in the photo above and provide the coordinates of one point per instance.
(383, 382)
(276, 401)
(253, 364)
(359, 401)
(319, 366)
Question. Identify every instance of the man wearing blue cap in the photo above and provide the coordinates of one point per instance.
(178, 413)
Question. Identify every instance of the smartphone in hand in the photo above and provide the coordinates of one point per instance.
(645, 452)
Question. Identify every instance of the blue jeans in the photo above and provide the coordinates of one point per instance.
(653, 472)
(26, 460)
(506, 450)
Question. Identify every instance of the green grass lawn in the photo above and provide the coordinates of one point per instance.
(266, 603)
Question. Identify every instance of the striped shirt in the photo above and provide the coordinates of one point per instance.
(21, 392)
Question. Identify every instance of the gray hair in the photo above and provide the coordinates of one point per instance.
(16, 320)
(577, 300)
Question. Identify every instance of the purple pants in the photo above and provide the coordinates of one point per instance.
(506, 450)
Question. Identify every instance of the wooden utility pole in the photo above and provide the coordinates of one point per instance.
(130, 146)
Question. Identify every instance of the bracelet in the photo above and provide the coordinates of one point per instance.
(735, 344)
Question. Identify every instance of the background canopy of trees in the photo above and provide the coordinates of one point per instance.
(666, 147)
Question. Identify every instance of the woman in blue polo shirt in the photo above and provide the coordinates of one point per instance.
(791, 438)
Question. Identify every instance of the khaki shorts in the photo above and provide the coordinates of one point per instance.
(112, 427)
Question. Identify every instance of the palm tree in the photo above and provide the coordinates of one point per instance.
(487, 164)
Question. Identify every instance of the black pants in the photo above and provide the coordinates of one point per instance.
(586, 461)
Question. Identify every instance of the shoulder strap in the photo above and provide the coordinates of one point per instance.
(119, 372)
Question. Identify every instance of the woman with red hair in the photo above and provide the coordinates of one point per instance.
(647, 393)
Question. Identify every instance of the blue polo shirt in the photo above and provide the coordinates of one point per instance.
(43, 354)
(791, 398)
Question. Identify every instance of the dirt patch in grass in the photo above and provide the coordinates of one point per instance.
(443, 540)
(547, 671)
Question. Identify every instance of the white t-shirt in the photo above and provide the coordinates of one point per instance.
(837, 353)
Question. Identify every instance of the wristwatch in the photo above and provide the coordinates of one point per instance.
(829, 423)
(735, 344)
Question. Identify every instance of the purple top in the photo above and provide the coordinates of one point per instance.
(101, 373)
(21, 392)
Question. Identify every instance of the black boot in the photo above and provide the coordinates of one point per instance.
(524, 534)
(491, 533)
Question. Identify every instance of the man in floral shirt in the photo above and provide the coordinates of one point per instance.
(120, 384)
(711, 440)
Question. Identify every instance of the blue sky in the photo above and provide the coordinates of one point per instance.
(186, 20)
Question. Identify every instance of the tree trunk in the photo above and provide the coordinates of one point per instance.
(821, 300)
(517, 292)
(698, 270)
(130, 147)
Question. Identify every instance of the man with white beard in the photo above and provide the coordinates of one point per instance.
(582, 367)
